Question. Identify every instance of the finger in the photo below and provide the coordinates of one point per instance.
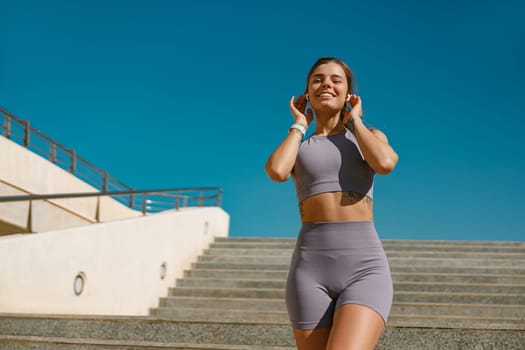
(294, 108)
(293, 103)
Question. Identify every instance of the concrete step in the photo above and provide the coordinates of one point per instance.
(398, 286)
(474, 270)
(402, 260)
(256, 293)
(390, 251)
(401, 242)
(248, 274)
(165, 333)
(402, 296)
(231, 283)
(252, 245)
(281, 317)
(458, 310)
(493, 270)
(397, 244)
(249, 305)
(215, 315)
(458, 278)
(261, 240)
(464, 246)
(447, 287)
(59, 343)
(146, 329)
(240, 266)
(458, 298)
(224, 303)
(252, 251)
(397, 276)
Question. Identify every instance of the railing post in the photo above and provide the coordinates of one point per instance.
(30, 217)
(105, 180)
(201, 194)
(144, 204)
(97, 212)
(131, 200)
(219, 198)
(7, 126)
(177, 204)
(27, 132)
(73, 161)
(53, 153)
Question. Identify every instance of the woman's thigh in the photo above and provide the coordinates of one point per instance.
(312, 339)
(355, 327)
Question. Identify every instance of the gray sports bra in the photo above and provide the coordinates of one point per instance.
(331, 163)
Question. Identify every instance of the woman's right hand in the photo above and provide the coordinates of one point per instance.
(298, 108)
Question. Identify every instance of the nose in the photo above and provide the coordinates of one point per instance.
(326, 83)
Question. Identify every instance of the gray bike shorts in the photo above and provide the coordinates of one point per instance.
(333, 264)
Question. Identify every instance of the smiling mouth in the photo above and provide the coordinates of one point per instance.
(325, 95)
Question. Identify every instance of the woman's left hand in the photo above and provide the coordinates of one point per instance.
(356, 111)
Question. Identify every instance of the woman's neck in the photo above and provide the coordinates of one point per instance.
(328, 124)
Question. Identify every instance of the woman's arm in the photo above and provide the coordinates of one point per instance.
(379, 155)
(280, 163)
(282, 160)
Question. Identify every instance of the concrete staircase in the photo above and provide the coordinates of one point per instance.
(448, 295)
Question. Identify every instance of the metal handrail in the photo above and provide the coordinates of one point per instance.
(20, 131)
(142, 200)
(147, 201)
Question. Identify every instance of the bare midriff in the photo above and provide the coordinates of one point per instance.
(337, 206)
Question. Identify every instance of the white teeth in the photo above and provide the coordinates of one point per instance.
(325, 95)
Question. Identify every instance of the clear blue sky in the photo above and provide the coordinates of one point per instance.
(167, 94)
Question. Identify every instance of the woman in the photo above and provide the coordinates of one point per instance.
(339, 289)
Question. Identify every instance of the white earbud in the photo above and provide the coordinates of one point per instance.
(307, 97)
(347, 98)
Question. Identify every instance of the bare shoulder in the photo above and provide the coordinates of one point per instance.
(379, 134)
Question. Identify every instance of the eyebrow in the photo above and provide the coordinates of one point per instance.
(322, 75)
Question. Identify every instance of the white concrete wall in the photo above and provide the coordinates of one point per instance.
(24, 172)
(121, 260)
(14, 213)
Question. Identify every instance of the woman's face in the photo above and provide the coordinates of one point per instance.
(328, 87)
